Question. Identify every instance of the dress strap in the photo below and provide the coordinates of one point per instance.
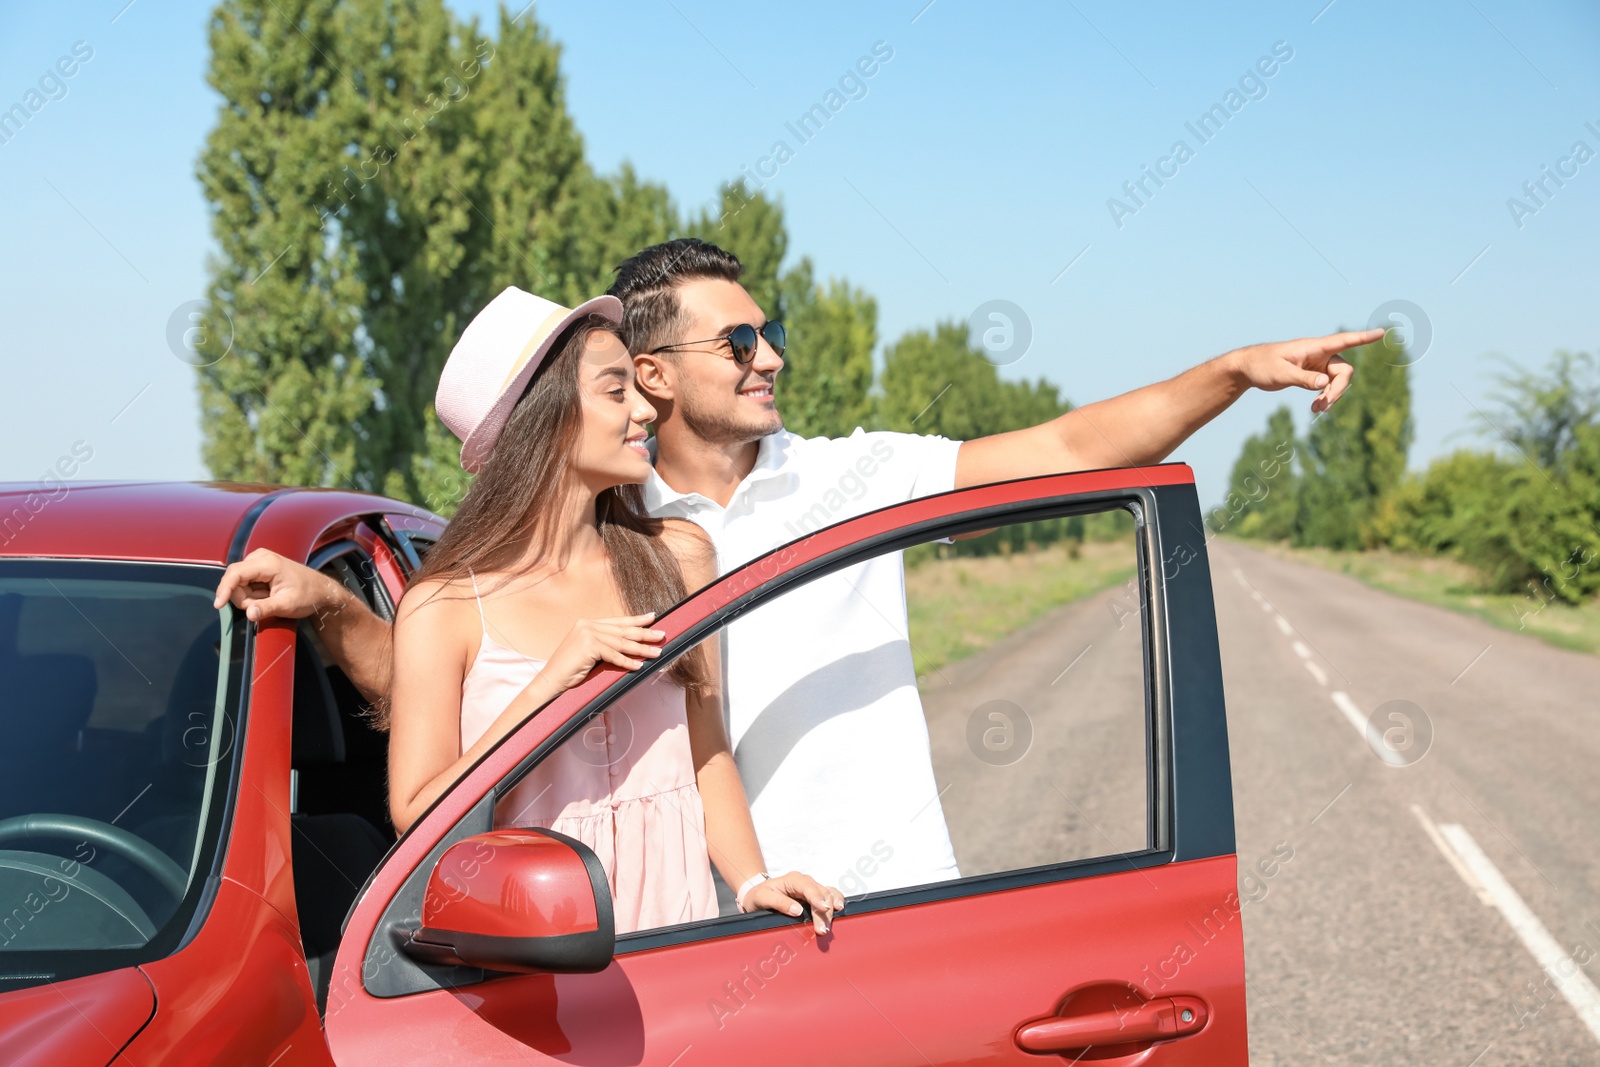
(479, 599)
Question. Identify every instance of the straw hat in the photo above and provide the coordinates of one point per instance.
(496, 357)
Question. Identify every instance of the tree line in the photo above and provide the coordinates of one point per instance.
(379, 171)
(1523, 512)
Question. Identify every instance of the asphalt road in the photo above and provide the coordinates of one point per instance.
(1392, 935)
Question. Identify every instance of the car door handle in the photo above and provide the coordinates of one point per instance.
(1153, 1020)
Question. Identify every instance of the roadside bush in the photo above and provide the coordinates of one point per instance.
(1553, 524)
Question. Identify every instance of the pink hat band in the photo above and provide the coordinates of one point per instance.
(494, 360)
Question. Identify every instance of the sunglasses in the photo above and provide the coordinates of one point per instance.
(742, 339)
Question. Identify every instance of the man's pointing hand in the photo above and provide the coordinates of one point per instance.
(1308, 362)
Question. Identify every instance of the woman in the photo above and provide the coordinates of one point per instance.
(550, 567)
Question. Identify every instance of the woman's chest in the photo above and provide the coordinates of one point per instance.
(535, 620)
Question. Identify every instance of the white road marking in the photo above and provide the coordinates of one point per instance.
(1255, 594)
(1301, 650)
(1266, 606)
(1368, 731)
(1450, 855)
(1283, 625)
(1238, 576)
(1317, 672)
(1563, 970)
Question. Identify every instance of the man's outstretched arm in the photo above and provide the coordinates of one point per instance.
(266, 585)
(1144, 426)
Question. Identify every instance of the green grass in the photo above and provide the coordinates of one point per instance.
(963, 604)
(1448, 583)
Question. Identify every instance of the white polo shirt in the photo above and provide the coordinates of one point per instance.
(819, 685)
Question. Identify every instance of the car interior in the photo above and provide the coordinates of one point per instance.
(109, 750)
(339, 815)
(108, 698)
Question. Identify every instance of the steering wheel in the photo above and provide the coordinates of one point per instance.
(119, 842)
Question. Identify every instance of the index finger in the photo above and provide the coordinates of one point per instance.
(237, 574)
(1335, 343)
(822, 907)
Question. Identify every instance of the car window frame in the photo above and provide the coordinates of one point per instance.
(367, 572)
(1150, 489)
(405, 532)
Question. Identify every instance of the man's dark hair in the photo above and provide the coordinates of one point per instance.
(647, 284)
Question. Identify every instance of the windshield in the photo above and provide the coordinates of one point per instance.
(119, 698)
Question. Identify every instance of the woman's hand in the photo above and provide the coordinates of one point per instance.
(786, 893)
(625, 641)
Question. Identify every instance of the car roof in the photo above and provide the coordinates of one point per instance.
(188, 522)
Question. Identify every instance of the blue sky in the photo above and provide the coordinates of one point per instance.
(1373, 165)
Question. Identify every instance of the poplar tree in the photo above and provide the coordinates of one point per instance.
(937, 382)
(1264, 485)
(286, 379)
(825, 387)
(377, 173)
(750, 225)
(1356, 452)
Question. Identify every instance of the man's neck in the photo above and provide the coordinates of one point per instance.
(691, 464)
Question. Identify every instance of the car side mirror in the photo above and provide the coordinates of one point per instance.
(517, 900)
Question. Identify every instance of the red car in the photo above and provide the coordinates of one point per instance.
(196, 863)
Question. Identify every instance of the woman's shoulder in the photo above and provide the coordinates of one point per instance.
(436, 601)
(683, 532)
(695, 552)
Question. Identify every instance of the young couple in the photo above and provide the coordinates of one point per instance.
(805, 748)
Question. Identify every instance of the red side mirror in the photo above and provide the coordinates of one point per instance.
(517, 900)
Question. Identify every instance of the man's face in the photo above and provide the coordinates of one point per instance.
(719, 399)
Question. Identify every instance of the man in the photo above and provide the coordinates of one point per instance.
(828, 730)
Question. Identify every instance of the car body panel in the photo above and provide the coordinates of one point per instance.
(238, 993)
(177, 522)
(860, 995)
(83, 1020)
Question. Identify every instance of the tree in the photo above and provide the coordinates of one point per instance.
(1540, 414)
(825, 384)
(396, 169)
(285, 294)
(424, 228)
(939, 383)
(1356, 452)
(1264, 486)
(541, 219)
(751, 227)
(1023, 404)
(824, 388)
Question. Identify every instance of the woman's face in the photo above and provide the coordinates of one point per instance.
(611, 440)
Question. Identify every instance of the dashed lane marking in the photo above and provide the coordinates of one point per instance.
(1369, 733)
(1564, 972)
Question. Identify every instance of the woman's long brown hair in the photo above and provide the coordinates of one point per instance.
(522, 492)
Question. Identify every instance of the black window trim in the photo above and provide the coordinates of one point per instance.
(366, 573)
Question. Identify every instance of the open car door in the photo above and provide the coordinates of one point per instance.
(1077, 751)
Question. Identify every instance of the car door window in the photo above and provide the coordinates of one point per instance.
(928, 719)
